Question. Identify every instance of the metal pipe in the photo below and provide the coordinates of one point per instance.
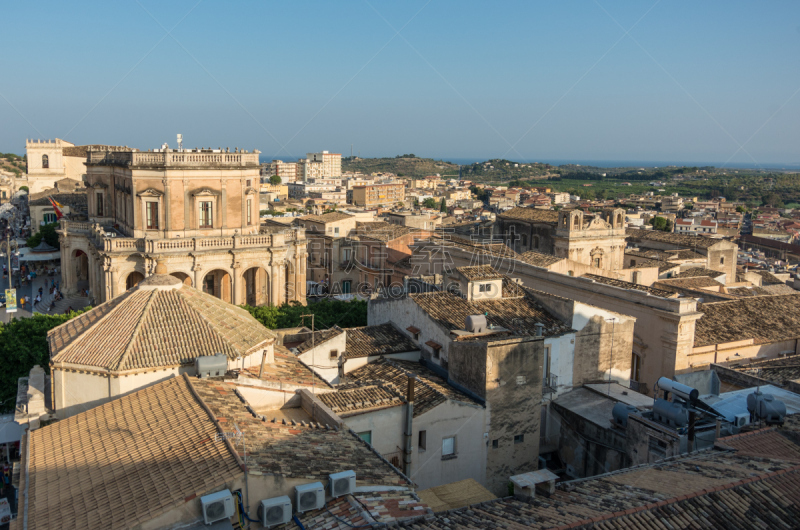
(692, 419)
(407, 446)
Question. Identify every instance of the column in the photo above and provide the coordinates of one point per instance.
(196, 268)
(274, 284)
(113, 289)
(236, 296)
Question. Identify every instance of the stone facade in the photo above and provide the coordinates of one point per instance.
(197, 211)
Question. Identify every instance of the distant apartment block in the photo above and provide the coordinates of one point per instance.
(378, 195)
(692, 225)
(287, 171)
(320, 165)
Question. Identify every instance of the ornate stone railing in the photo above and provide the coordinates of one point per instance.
(179, 159)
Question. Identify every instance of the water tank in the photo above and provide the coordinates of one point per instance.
(620, 413)
(765, 407)
(476, 323)
(682, 391)
(211, 365)
(670, 413)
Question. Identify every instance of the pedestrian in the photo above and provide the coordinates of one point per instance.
(41, 291)
(37, 300)
(68, 311)
(52, 283)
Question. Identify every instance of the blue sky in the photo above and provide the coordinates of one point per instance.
(711, 82)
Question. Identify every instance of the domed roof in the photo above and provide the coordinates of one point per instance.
(160, 323)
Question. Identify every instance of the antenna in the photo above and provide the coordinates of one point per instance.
(180, 142)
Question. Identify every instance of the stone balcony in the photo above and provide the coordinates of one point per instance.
(109, 240)
(176, 159)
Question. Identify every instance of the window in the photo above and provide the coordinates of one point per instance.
(633, 263)
(495, 444)
(99, 210)
(206, 211)
(571, 273)
(45, 162)
(636, 363)
(151, 210)
(366, 436)
(637, 277)
(336, 230)
(48, 217)
(4, 195)
(597, 262)
(722, 260)
(248, 183)
(485, 287)
(449, 447)
(519, 438)
(334, 354)
(535, 242)
(249, 211)
(422, 440)
(346, 254)
(346, 286)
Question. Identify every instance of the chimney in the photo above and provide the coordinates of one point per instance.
(408, 434)
(539, 329)
(267, 357)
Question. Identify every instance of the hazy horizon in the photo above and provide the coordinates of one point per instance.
(661, 83)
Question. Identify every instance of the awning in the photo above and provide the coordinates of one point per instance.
(10, 430)
(27, 254)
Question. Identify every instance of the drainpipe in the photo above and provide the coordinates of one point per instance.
(692, 419)
(408, 431)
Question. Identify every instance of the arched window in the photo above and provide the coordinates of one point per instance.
(535, 242)
(619, 219)
(45, 162)
(576, 223)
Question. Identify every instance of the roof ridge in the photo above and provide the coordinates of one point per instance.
(213, 419)
(136, 330)
(745, 434)
(673, 500)
(115, 303)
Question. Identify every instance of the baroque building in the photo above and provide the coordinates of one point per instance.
(194, 210)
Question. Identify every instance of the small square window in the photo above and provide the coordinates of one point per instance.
(249, 183)
(495, 444)
(366, 436)
(334, 354)
(449, 446)
(519, 438)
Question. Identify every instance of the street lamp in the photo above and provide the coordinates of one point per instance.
(6, 247)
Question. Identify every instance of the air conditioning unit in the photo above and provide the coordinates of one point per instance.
(275, 511)
(217, 506)
(343, 483)
(310, 496)
(740, 420)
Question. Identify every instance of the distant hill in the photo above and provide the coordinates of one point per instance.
(406, 166)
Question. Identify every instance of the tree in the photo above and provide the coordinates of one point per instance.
(430, 202)
(274, 180)
(661, 223)
(24, 188)
(443, 205)
(327, 313)
(23, 344)
(772, 199)
(46, 232)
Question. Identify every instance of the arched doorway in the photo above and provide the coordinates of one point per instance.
(133, 280)
(256, 286)
(218, 283)
(81, 263)
(182, 276)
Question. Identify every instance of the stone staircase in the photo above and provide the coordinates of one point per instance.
(75, 302)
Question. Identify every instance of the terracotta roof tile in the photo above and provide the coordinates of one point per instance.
(154, 327)
(383, 339)
(628, 285)
(531, 214)
(764, 319)
(685, 241)
(479, 272)
(696, 272)
(361, 396)
(538, 259)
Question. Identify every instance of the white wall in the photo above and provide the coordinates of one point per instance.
(562, 361)
(320, 361)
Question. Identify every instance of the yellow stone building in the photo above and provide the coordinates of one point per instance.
(195, 210)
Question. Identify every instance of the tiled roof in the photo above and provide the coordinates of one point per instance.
(364, 510)
(765, 319)
(518, 315)
(383, 231)
(665, 255)
(531, 214)
(479, 272)
(327, 217)
(319, 337)
(81, 151)
(778, 370)
(293, 450)
(377, 340)
(158, 324)
(767, 278)
(712, 489)
(538, 259)
(681, 240)
(748, 291)
(692, 282)
(628, 285)
(75, 200)
(429, 391)
(360, 397)
(455, 495)
(126, 462)
(765, 443)
(287, 369)
(696, 272)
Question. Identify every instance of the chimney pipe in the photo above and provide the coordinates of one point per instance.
(407, 446)
(539, 329)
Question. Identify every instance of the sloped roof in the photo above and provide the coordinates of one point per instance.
(777, 370)
(519, 315)
(696, 272)
(629, 285)
(690, 282)
(764, 319)
(383, 231)
(319, 337)
(767, 278)
(160, 323)
(711, 489)
(382, 339)
(429, 391)
(125, 462)
(538, 259)
(531, 214)
(360, 397)
(479, 272)
(679, 240)
(327, 217)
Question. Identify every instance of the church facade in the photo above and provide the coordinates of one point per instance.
(197, 211)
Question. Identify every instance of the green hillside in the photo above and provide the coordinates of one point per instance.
(403, 166)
